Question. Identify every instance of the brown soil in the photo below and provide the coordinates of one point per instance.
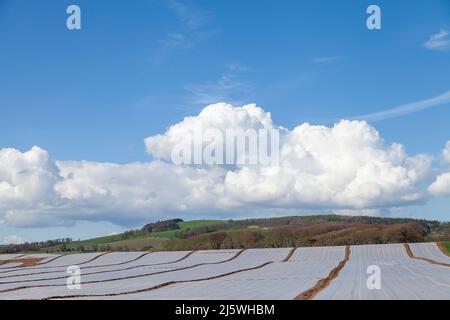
(47, 272)
(323, 283)
(290, 254)
(411, 255)
(27, 262)
(186, 256)
(19, 268)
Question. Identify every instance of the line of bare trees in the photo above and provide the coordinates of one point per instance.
(295, 236)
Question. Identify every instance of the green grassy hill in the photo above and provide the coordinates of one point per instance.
(185, 225)
(140, 240)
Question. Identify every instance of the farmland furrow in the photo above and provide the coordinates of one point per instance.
(121, 278)
(412, 256)
(323, 283)
(157, 259)
(108, 271)
(18, 268)
(247, 259)
(24, 263)
(386, 271)
(84, 268)
(279, 280)
(177, 282)
(414, 271)
(63, 268)
(289, 256)
(162, 285)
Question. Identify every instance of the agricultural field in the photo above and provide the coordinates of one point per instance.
(354, 272)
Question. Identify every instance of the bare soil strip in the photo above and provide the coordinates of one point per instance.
(128, 277)
(19, 268)
(323, 283)
(411, 255)
(98, 266)
(107, 271)
(184, 257)
(441, 247)
(289, 255)
(9, 260)
(62, 270)
(24, 262)
(159, 286)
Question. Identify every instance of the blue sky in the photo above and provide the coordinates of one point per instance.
(135, 68)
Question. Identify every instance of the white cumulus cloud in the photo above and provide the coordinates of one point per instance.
(446, 153)
(341, 168)
(441, 186)
(13, 239)
(219, 116)
(26, 179)
(345, 166)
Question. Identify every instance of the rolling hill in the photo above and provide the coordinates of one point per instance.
(317, 230)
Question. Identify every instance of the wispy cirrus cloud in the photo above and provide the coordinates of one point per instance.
(193, 27)
(230, 87)
(326, 60)
(405, 109)
(439, 41)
